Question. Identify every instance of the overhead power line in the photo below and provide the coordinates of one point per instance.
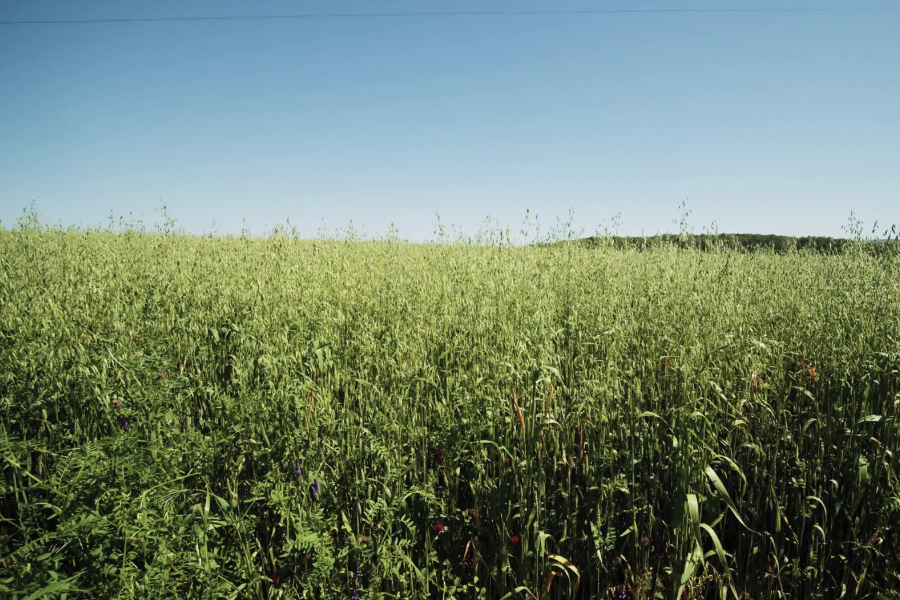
(470, 13)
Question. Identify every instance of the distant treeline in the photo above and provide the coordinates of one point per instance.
(780, 244)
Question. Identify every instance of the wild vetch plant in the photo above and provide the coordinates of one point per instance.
(549, 421)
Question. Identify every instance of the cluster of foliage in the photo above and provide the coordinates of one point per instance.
(274, 418)
(780, 244)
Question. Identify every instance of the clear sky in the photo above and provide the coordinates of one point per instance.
(766, 123)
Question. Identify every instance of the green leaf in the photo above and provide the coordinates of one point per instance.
(721, 553)
(720, 488)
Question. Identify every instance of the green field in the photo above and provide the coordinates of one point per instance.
(274, 418)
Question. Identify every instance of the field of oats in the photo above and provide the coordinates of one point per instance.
(274, 418)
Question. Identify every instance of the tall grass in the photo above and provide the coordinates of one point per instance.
(273, 418)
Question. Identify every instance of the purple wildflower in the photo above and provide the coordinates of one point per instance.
(116, 404)
(621, 595)
(356, 570)
(314, 488)
(123, 423)
(355, 594)
(297, 471)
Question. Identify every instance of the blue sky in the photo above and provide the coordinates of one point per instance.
(768, 123)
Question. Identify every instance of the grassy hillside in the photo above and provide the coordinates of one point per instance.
(269, 418)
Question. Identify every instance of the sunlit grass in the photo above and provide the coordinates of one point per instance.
(616, 421)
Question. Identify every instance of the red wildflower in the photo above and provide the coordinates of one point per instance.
(276, 580)
(506, 462)
(437, 455)
(437, 528)
(514, 540)
(453, 333)
(471, 512)
(684, 595)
